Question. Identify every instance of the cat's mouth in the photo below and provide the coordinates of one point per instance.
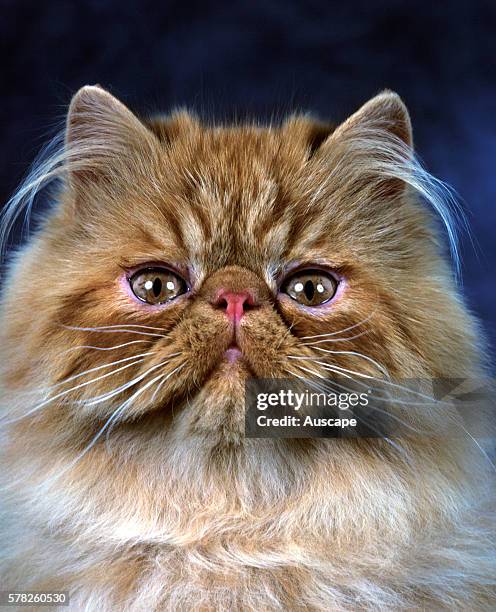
(233, 354)
(234, 362)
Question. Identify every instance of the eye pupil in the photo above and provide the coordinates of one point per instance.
(157, 287)
(309, 290)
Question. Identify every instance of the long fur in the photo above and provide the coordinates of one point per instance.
(126, 477)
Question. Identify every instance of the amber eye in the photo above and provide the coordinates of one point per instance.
(157, 285)
(310, 287)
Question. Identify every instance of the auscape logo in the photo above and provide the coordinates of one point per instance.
(309, 421)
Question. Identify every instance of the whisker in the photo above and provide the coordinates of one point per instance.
(346, 373)
(389, 383)
(106, 348)
(97, 368)
(474, 440)
(366, 421)
(332, 384)
(148, 385)
(63, 382)
(482, 450)
(112, 417)
(337, 339)
(321, 388)
(115, 331)
(366, 357)
(167, 376)
(311, 371)
(63, 393)
(342, 372)
(93, 401)
(117, 412)
(116, 325)
(341, 331)
(164, 377)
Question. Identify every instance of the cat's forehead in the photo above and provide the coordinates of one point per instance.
(237, 195)
(238, 160)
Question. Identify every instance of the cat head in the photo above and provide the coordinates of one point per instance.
(180, 258)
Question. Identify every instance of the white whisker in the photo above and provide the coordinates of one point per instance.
(117, 412)
(329, 384)
(369, 387)
(482, 450)
(115, 331)
(341, 331)
(110, 394)
(346, 373)
(401, 421)
(322, 363)
(337, 339)
(97, 368)
(75, 388)
(333, 383)
(106, 348)
(386, 382)
(366, 357)
(121, 325)
(167, 376)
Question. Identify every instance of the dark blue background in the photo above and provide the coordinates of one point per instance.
(263, 57)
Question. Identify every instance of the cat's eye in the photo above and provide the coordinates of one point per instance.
(157, 285)
(310, 287)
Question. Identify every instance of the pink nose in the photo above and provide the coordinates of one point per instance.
(234, 303)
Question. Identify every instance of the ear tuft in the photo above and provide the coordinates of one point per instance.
(307, 129)
(167, 128)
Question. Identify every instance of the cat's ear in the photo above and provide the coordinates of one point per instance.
(372, 151)
(385, 112)
(101, 135)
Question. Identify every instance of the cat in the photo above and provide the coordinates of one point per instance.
(177, 260)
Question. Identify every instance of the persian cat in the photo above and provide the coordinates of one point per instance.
(176, 260)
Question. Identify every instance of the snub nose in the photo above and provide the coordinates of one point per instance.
(234, 303)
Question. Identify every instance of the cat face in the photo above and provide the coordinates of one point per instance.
(183, 259)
